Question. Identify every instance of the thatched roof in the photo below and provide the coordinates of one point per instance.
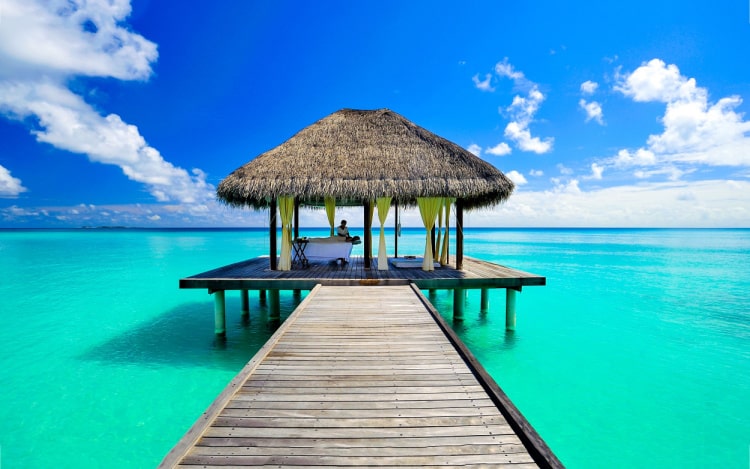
(356, 155)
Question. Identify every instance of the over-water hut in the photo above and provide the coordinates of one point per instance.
(361, 158)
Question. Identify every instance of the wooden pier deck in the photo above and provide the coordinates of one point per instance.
(254, 274)
(362, 376)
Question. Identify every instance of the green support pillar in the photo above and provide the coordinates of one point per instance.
(262, 297)
(245, 297)
(220, 319)
(510, 308)
(485, 300)
(274, 305)
(459, 298)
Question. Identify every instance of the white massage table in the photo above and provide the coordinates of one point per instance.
(332, 248)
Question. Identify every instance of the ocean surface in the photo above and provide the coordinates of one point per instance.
(635, 354)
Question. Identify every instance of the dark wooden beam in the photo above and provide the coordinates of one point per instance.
(433, 240)
(459, 234)
(395, 230)
(272, 234)
(296, 218)
(368, 234)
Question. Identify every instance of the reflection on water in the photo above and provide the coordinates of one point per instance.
(184, 336)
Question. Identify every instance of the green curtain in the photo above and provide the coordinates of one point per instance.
(286, 210)
(384, 204)
(428, 209)
(331, 212)
(444, 250)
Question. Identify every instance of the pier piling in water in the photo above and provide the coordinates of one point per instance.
(459, 300)
(274, 304)
(510, 308)
(245, 298)
(485, 303)
(220, 319)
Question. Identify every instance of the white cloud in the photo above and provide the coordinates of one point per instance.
(69, 123)
(522, 136)
(72, 38)
(42, 45)
(484, 85)
(593, 110)
(475, 149)
(564, 169)
(521, 111)
(9, 186)
(596, 171)
(501, 149)
(696, 131)
(505, 69)
(589, 87)
(711, 203)
(536, 172)
(672, 173)
(516, 177)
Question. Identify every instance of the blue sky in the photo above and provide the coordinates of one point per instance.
(630, 114)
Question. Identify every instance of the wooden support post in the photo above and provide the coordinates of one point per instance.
(485, 300)
(459, 298)
(459, 234)
(274, 305)
(368, 234)
(433, 295)
(433, 242)
(296, 218)
(245, 298)
(395, 230)
(220, 319)
(272, 234)
(510, 309)
(262, 297)
(297, 295)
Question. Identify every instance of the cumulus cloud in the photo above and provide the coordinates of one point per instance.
(536, 172)
(596, 171)
(696, 131)
(475, 149)
(45, 43)
(564, 169)
(484, 85)
(9, 186)
(676, 204)
(589, 87)
(501, 149)
(517, 178)
(593, 110)
(505, 69)
(72, 37)
(521, 111)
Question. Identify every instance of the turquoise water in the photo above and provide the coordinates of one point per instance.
(635, 354)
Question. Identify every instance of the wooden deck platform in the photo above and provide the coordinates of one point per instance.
(254, 274)
(366, 376)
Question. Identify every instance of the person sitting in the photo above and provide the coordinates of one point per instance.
(343, 231)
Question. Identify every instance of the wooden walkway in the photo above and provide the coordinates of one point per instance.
(364, 376)
(254, 274)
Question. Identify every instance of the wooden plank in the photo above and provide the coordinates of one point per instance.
(345, 449)
(358, 461)
(358, 377)
(254, 274)
(501, 442)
